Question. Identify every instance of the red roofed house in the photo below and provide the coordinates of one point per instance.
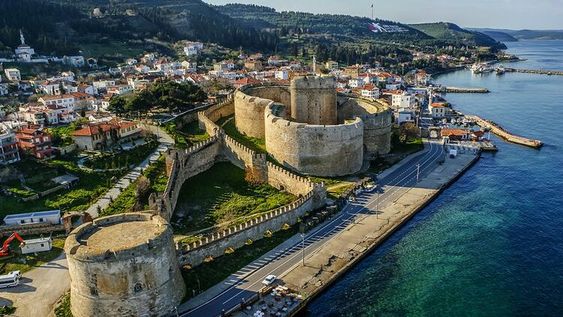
(35, 142)
(456, 134)
(439, 109)
(98, 136)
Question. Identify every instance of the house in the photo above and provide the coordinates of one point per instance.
(97, 136)
(119, 89)
(103, 84)
(421, 78)
(370, 91)
(13, 74)
(331, 65)
(65, 101)
(404, 115)
(439, 110)
(193, 48)
(282, 74)
(356, 82)
(400, 99)
(8, 148)
(52, 217)
(456, 134)
(35, 142)
(245, 81)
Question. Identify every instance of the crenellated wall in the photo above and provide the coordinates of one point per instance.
(250, 103)
(216, 243)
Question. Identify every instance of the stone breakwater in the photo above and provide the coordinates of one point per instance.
(499, 131)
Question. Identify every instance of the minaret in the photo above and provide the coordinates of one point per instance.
(22, 39)
(314, 65)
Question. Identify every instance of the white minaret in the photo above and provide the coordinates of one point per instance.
(22, 39)
(314, 65)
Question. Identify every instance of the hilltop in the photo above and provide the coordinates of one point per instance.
(526, 34)
(454, 34)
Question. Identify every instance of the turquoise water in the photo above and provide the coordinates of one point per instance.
(492, 244)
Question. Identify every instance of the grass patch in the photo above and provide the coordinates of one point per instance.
(193, 133)
(207, 275)
(408, 147)
(90, 186)
(222, 194)
(62, 308)
(25, 262)
(228, 124)
(7, 310)
(126, 201)
(122, 159)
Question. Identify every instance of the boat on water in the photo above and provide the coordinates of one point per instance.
(480, 68)
(500, 70)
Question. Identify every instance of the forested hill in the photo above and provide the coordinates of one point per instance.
(454, 34)
(63, 26)
(261, 17)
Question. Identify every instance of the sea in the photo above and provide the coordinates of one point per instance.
(492, 243)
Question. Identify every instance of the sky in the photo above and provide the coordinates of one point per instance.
(509, 14)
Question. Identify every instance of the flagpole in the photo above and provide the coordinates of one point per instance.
(372, 16)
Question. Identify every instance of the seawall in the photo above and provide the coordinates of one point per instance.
(359, 239)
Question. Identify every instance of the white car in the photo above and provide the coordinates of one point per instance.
(269, 280)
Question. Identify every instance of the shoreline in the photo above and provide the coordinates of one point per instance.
(387, 234)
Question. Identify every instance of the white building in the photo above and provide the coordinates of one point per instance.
(65, 101)
(356, 82)
(13, 74)
(282, 74)
(402, 100)
(37, 245)
(193, 48)
(370, 91)
(52, 217)
(405, 115)
(439, 110)
(24, 52)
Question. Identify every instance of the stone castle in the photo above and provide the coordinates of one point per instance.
(310, 129)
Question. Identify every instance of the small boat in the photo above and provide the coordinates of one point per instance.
(500, 70)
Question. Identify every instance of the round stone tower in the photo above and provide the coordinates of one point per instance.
(313, 100)
(124, 265)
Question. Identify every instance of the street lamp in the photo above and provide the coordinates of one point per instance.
(417, 173)
(302, 231)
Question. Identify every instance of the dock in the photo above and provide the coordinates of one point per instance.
(462, 90)
(535, 71)
(502, 133)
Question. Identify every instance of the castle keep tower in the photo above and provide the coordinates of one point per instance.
(313, 100)
(124, 265)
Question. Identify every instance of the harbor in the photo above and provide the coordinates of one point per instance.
(535, 71)
(462, 90)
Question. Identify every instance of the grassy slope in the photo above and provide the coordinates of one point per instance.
(221, 194)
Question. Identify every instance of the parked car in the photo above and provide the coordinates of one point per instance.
(269, 280)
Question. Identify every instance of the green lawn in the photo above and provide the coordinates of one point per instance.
(220, 195)
(408, 147)
(26, 262)
(38, 173)
(206, 275)
(193, 133)
(228, 124)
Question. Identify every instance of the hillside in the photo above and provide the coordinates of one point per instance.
(338, 26)
(67, 26)
(452, 33)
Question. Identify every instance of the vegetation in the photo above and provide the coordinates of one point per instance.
(168, 95)
(62, 135)
(26, 262)
(135, 156)
(186, 136)
(221, 195)
(228, 124)
(62, 308)
(90, 186)
(135, 196)
(406, 139)
(203, 277)
(7, 310)
(453, 34)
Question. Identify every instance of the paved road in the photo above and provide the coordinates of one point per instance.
(392, 186)
(39, 289)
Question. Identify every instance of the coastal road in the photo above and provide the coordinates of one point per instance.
(249, 280)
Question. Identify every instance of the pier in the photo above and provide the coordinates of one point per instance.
(461, 90)
(502, 133)
(535, 71)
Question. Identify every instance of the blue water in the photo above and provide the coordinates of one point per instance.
(492, 244)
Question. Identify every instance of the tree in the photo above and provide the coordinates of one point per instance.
(409, 131)
(117, 105)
